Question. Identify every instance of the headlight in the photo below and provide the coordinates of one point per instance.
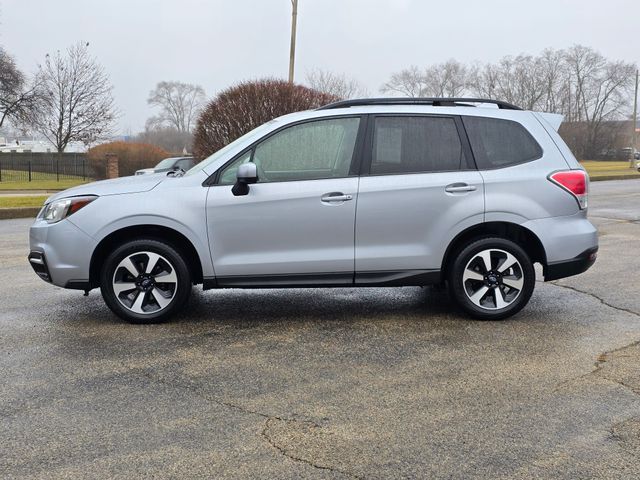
(59, 209)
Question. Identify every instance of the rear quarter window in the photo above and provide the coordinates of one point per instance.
(498, 143)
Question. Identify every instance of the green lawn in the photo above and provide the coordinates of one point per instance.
(14, 180)
(602, 169)
(22, 201)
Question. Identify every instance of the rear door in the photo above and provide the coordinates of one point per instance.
(418, 190)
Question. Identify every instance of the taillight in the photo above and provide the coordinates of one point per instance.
(576, 182)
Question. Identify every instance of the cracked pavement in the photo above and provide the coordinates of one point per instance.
(330, 383)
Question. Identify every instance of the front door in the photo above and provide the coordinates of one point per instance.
(296, 224)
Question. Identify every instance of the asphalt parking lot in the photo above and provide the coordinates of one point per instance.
(331, 383)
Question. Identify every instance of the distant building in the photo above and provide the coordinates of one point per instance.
(36, 146)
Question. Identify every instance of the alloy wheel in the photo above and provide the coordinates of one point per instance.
(493, 279)
(145, 282)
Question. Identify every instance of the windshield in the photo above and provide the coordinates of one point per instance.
(224, 150)
(166, 163)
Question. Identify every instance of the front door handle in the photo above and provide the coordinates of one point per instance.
(335, 197)
(459, 188)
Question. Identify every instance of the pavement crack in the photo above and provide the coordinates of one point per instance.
(618, 220)
(205, 396)
(600, 299)
(283, 451)
(598, 370)
(269, 419)
(604, 356)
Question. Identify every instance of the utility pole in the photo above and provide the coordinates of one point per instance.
(292, 53)
(634, 134)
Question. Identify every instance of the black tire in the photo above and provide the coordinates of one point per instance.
(176, 293)
(461, 290)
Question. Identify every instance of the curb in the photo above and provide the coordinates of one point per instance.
(614, 177)
(27, 192)
(19, 212)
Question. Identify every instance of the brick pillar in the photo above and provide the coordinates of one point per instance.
(112, 165)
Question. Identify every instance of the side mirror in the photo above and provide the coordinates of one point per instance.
(246, 175)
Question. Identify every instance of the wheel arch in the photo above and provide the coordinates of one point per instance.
(524, 237)
(157, 232)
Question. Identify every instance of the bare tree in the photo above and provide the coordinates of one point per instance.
(600, 90)
(179, 103)
(448, 79)
(410, 82)
(518, 80)
(338, 85)
(17, 95)
(166, 137)
(77, 103)
(554, 74)
(588, 89)
(521, 82)
(483, 80)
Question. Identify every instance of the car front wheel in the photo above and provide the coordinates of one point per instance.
(491, 278)
(145, 281)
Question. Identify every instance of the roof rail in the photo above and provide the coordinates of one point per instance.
(435, 102)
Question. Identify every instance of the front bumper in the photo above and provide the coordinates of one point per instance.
(60, 253)
(39, 264)
(568, 268)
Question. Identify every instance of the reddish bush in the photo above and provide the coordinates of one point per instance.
(243, 107)
(131, 157)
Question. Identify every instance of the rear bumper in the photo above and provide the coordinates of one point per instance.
(568, 268)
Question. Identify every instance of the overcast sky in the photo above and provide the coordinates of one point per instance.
(216, 43)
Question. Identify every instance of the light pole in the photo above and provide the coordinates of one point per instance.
(292, 52)
(634, 134)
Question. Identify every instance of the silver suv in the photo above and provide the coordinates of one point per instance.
(468, 193)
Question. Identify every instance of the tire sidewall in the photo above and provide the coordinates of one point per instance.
(456, 285)
(183, 286)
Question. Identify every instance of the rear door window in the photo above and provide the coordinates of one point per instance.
(498, 143)
(416, 144)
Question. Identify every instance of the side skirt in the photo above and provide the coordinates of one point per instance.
(327, 280)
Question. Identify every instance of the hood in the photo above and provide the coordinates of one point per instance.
(116, 186)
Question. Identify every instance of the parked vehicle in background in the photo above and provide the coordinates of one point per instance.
(377, 192)
(626, 153)
(169, 164)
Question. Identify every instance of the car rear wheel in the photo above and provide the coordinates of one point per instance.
(145, 281)
(491, 278)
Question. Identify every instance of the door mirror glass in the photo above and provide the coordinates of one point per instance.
(247, 174)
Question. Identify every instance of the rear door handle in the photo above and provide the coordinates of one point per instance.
(335, 197)
(459, 188)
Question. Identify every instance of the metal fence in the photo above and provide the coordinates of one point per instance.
(33, 167)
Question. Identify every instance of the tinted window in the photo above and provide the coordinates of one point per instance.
(416, 144)
(308, 151)
(228, 174)
(500, 143)
(311, 150)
